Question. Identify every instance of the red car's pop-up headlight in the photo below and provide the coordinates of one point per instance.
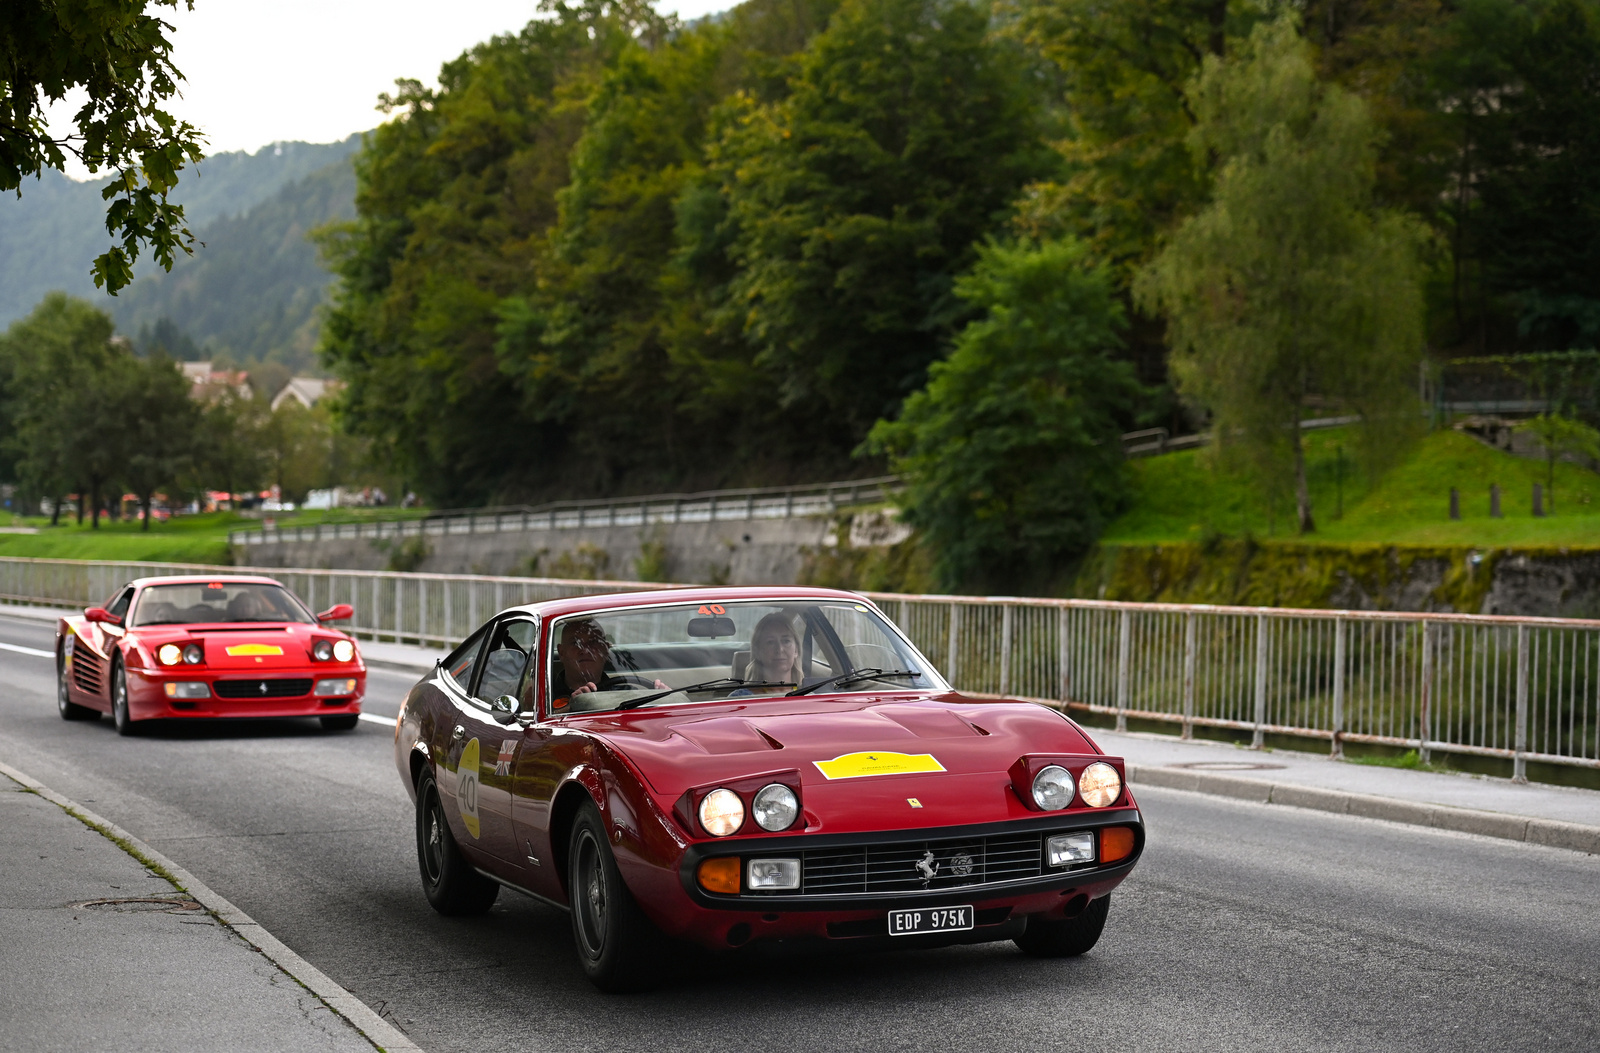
(187, 654)
(1051, 784)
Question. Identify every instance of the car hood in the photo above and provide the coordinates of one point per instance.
(861, 760)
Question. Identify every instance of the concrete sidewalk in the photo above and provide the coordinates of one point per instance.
(1557, 815)
(104, 952)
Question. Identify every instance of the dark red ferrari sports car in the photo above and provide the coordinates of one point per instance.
(228, 646)
(735, 765)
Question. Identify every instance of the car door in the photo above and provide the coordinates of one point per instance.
(502, 671)
(469, 734)
(543, 758)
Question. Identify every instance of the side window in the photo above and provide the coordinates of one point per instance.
(507, 657)
(119, 606)
(464, 660)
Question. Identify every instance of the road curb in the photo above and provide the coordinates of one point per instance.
(377, 1030)
(1550, 832)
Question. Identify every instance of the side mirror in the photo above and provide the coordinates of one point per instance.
(99, 614)
(337, 613)
(506, 709)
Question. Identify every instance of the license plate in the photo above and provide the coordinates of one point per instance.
(929, 919)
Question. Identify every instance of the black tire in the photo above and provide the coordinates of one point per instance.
(1069, 937)
(69, 709)
(452, 886)
(341, 722)
(119, 700)
(618, 947)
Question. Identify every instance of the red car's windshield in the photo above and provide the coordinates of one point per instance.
(218, 601)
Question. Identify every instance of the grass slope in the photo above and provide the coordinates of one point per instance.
(1178, 497)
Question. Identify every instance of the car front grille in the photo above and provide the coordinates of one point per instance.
(283, 688)
(921, 866)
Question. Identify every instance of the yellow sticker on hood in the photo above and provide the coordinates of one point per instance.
(859, 765)
(245, 650)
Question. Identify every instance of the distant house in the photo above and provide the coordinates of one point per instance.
(209, 384)
(305, 390)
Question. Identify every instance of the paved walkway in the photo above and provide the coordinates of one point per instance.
(101, 952)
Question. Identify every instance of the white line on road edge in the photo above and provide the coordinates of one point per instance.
(377, 1030)
(26, 650)
(373, 718)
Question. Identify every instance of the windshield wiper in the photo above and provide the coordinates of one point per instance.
(855, 676)
(724, 681)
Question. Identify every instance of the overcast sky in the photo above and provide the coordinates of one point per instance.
(259, 72)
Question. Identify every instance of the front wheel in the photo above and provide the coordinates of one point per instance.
(341, 722)
(618, 947)
(1067, 938)
(449, 881)
(69, 709)
(119, 700)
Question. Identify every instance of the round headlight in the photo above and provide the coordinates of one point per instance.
(775, 807)
(170, 654)
(193, 654)
(1052, 788)
(1099, 784)
(721, 812)
(344, 650)
(322, 650)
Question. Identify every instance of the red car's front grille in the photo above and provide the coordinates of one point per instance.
(918, 866)
(263, 688)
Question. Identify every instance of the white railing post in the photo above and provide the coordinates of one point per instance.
(1124, 653)
(1259, 738)
(1519, 763)
(955, 638)
(1188, 674)
(1064, 654)
(1340, 629)
(1425, 702)
(1005, 648)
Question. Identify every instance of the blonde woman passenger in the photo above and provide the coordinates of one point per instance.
(774, 654)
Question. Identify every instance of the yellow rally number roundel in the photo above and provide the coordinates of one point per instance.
(467, 787)
(878, 762)
(245, 650)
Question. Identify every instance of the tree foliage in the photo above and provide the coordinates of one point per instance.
(120, 56)
(1290, 286)
(1013, 451)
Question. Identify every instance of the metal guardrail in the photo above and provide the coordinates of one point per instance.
(1524, 689)
(779, 502)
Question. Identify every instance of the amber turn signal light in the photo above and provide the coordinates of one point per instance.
(1116, 842)
(722, 874)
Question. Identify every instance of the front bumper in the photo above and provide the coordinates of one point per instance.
(1001, 907)
(148, 698)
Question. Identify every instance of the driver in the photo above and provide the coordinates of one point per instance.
(585, 652)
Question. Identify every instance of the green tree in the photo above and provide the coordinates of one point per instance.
(1012, 452)
(855, 200)
(159, 422)
(1560, 435)
(1290, 285)
(233, 450)
(120, 56)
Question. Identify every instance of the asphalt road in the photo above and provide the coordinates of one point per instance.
(1246, 927)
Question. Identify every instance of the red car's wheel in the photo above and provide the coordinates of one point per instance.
(449, 881)
(1067, 938)
(617, 944)
(69, 709)
(119, 700)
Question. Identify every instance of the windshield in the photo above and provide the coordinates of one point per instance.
(218, 601)
(710, 652)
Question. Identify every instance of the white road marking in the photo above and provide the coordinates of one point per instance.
(387, 722)
(26, 650)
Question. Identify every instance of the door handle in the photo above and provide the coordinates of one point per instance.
(459, 734)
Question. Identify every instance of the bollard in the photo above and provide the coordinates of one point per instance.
(1494, 501)
(1455, 503)
(1538, 501)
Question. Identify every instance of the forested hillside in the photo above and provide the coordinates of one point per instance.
(251, 211)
